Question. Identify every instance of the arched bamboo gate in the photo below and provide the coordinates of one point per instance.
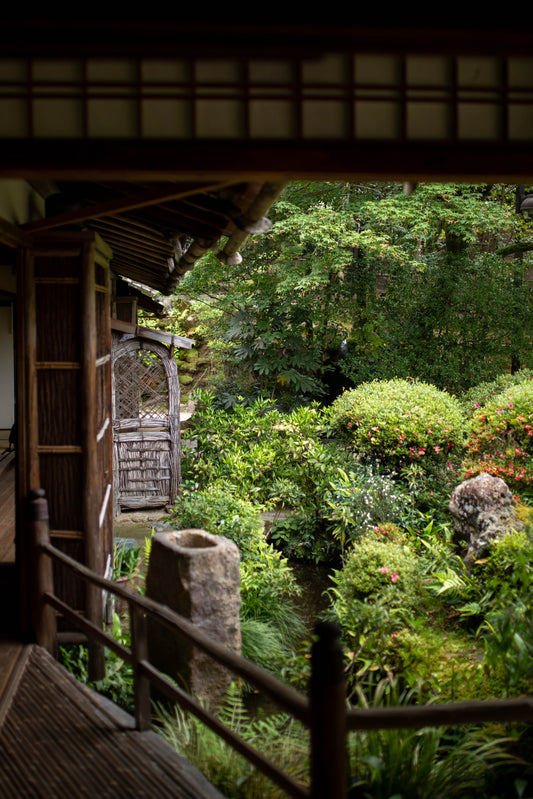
(146, 425)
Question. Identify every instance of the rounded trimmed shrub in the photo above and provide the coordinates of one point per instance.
(484, 392)
(399, 420)
(376, 567)
(500, 437)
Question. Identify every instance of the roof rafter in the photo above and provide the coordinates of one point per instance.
(133, 202)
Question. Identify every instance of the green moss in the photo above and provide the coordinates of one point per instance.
(443, 664)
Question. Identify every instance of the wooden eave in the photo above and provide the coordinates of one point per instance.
(158, 231)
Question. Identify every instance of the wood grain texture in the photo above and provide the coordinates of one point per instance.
(82, 746)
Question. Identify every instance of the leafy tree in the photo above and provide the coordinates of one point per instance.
(453, 306)
(431, 285)
(283, 311)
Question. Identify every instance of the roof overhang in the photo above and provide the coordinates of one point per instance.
(174, 136)
(157, 232)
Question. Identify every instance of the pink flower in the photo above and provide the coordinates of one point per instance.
(437, 449)
(394, 577)
(384, 569)
(350, 424)
(476, 405)
(510, 404)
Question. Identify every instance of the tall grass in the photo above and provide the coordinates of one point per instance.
(283, 739)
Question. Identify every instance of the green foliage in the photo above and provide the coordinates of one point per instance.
(372, 568)
(425, 763)
(268, 590)
(304, 537)
(360, 500)
(450, 309)
(374, 596)
(500, 437)
(399, 421)
(280, 312)
(418, 285)
(220, 511)
(117, 685)
(507, 628)
(263, 644)
(277, 458)
(483, 392)
(268, 587)
(440, 664)
(126, 558)
(284, 739)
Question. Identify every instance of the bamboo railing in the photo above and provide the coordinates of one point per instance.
(324, 712)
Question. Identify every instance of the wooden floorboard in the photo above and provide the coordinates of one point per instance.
(9, 654)
(58, 739)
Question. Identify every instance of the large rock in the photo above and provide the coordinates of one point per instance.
(484, 512)
(197, 575)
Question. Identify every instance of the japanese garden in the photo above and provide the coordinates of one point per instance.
(362, 430)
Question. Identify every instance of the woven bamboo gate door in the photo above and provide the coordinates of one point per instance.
(146, 437)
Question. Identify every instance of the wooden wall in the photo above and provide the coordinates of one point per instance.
(64, 398)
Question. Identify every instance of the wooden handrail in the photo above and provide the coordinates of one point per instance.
(286, 697)
(145, 673)
(325, 713)
(418, 716)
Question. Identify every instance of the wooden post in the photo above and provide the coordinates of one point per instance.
(44, 620)
(139, 650)
(90, 497)
(328, 715)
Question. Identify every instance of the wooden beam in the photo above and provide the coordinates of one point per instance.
(110, 207)
(152, 335)
(367, 31)
(234, 161)
(13, 236)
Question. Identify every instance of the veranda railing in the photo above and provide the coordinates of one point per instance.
(324, 712)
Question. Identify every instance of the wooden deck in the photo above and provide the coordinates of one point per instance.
(59, 739)
(7, 508)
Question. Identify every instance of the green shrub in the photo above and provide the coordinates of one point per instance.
(507, 630)
(399, 421)
(360, 500)
(374, 596)
(479, 395)
(268, 589)
(268, 586)
(220, 511)
(375, 567)
(261, 453)
(302, 536)
(500, 437)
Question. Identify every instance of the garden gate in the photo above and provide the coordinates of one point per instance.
(146, 425)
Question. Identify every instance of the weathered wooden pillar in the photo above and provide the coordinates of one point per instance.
(328, 715)
(43, 615)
